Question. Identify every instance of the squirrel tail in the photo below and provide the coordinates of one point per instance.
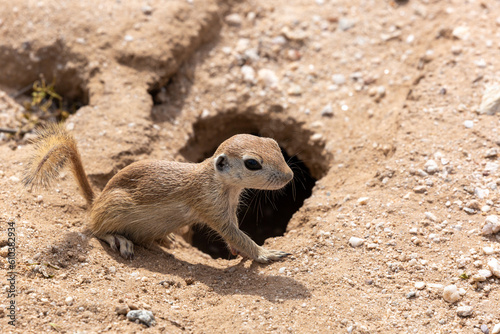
(54, 147)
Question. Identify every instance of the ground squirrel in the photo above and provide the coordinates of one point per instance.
(147, 200)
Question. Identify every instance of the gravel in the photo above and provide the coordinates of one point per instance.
(451, 294)
(464, 311)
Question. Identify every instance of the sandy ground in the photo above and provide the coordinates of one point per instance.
(381, 102)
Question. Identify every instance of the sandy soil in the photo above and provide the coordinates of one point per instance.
(379, 99)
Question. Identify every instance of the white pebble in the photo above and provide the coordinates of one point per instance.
(419, 285)
(468, 124)
(496, 329)
(268, 77)
(69, 301)
(451, 294)
(356, 242)
(363, 200)
(112, 269)
(14, 179)
(464, 311)
(488, 250)
(338, 79)
(128, 38)
(327, 110)
(39, 199)
(491, 225)
(431, 216)
(431, 167)
(490, 104)
(234, 19)
(248, 73)
(461, 32)
(346, 24)
(282, 270)
(494, 267)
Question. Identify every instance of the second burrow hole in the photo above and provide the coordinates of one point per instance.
(261, 214)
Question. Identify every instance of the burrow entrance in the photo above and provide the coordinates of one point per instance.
(48, 82)
(262, 214)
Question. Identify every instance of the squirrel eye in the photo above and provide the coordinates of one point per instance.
(252, 164)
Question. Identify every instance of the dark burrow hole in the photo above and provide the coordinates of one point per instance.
(261, 214)
(50, 100)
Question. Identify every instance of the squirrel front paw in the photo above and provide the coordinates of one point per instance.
(269, 255)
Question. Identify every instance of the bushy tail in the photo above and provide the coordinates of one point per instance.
(54, 147)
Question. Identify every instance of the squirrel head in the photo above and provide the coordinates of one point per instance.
(253, 162)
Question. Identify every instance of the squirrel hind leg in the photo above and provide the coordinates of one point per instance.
(121, 244)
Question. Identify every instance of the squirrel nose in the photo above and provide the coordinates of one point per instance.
(289, 175)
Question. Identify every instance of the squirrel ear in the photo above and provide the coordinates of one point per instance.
(221, 162)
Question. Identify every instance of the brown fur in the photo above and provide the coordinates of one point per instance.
(148, 200)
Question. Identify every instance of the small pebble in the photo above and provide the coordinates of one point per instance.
(419, 285)
(461, 32)
(420, 189)
(496, 329)
(490, 104)
(14, 179)
(484, 329)
(69, 301)
(128, 38)
(234, 19)
(494, 267)
(282, 270)
(327, 111)
(363, 200)
(356, 242)
(39, 199)
(147, 10)
(488, 250)
(248, 73)
(338, 79)
(411, 294)
(451, 294)
(146, 317)
(491, 225)
(469, 124)
(431, 167)
(464, 311)
(345, 24)
(491, 153)
(268, 77)
(431, 216)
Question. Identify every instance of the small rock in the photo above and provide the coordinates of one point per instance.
(431, 216)
(39, 199)
(282, 270)
(451, 294)
(490, 104)
(488, 250)
(496, 329)
(248, 73)
(69, 301)
(338, 79)
(268, 77)
(346, 24)
(14, 179)
(146, 317)
(327, 111)
(147, 10)
(411, 294)
(494, 267)
(469, 124)
(420, 189)
(419, 285)
(461, 32)
(122, 309)
(356, 242)
(491, 225)
(363, 200)
(234, 20)
(464, 311)
(484, 329)
(474, 204)
(431, 167)
(128, 38)
(491, 153)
